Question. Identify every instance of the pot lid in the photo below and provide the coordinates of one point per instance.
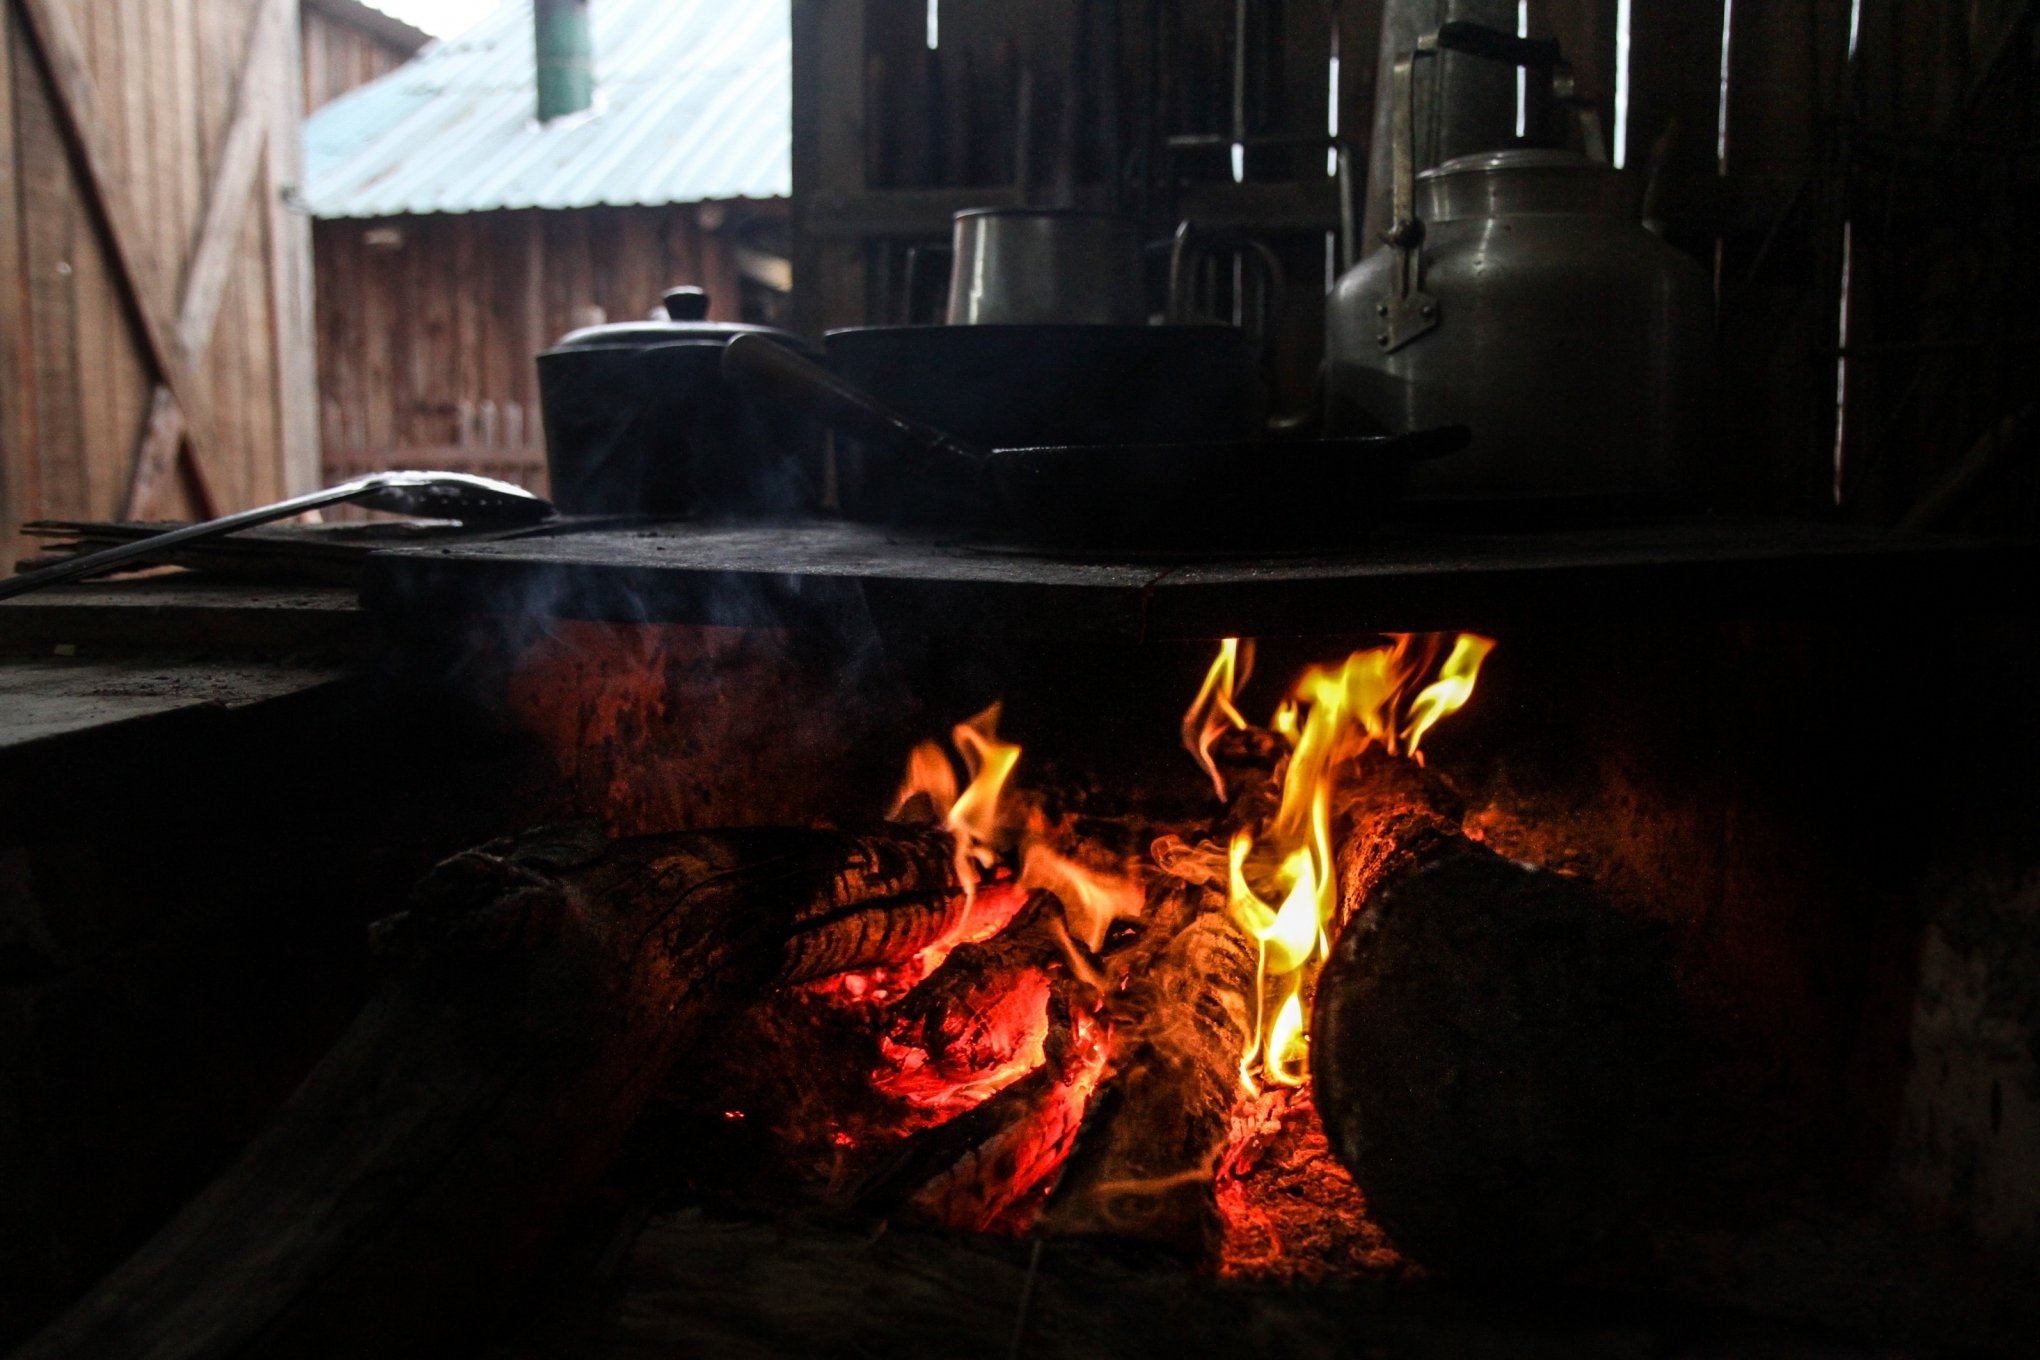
(686, 319)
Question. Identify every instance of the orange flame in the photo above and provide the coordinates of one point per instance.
(929, 775)
(1091, 899)
(1377, 697)
(972, 815)
(1213, 710)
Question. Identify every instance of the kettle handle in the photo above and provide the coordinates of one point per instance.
(1408, 312)
(1478, 40)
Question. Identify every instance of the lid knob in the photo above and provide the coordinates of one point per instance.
(687, 303)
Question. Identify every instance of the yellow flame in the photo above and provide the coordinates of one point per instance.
(1288, 1048)
(1213, 710)
(973, 818)
(1450, 691)
(1376, 697)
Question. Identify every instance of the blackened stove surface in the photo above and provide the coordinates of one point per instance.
(1402, 578)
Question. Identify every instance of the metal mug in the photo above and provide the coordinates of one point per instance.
(1033, 266)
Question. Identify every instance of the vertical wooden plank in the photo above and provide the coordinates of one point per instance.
(383, 324)
(1359, 42)
(1297, 61)
(828, 158)
(432, 416)
(719, 274)
(265, 395)
(1675, 104)
(20, 482)
(99, 326)
(1781, 252)
(463, 285)
(600, 262)
(182, 172)
(131, 19)
(1585, 30)
(639, 278)
(153, 30)
(535, 328)
(336, 355)
(291, 282)
(49, 219)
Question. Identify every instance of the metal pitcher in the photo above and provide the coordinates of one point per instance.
(1521, 297)
(1030, 266)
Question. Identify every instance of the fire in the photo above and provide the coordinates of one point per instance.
(1213, 711)
(1007, 1030)
(1378, 697)
(1092, 900)
(1003, 1042)
(972, 816)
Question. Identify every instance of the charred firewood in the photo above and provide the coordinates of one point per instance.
(1496, 1050)
(1146, 1161)
(537, 991)
(970, 1171)
(894, 895)
(962, 1018)
(975, 1017)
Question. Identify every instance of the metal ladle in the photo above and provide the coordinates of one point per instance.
(480, 501)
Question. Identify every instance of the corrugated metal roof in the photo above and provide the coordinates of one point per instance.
(692, 103)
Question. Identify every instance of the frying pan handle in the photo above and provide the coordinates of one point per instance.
(758, 364)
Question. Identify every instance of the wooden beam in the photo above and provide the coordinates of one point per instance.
(54, 39)
(156, 454)
(211, 259)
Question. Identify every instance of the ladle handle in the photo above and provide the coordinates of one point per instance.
(764, 365)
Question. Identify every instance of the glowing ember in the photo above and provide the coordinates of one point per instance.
(998, 1042)
(1387, 696)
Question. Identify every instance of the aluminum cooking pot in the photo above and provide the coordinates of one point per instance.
(1521, 297)
(638, 420)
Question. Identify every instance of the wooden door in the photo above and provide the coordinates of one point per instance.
(154, 278)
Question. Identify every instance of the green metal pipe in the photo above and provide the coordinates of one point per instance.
(566, 57)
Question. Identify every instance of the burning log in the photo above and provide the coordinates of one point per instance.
(538, 991)
(982, 1013)
(1497, 1051)
(969, 1172)
(1146, 1163)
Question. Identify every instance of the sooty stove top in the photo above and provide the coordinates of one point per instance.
(1400, 577)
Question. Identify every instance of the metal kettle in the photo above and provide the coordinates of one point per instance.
(1521, 296)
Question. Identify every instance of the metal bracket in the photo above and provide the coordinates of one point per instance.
(1407, 312)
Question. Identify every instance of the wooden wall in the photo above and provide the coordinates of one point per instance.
(154, 287)
(428, 325)
(1917, 147)
(345, 47)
